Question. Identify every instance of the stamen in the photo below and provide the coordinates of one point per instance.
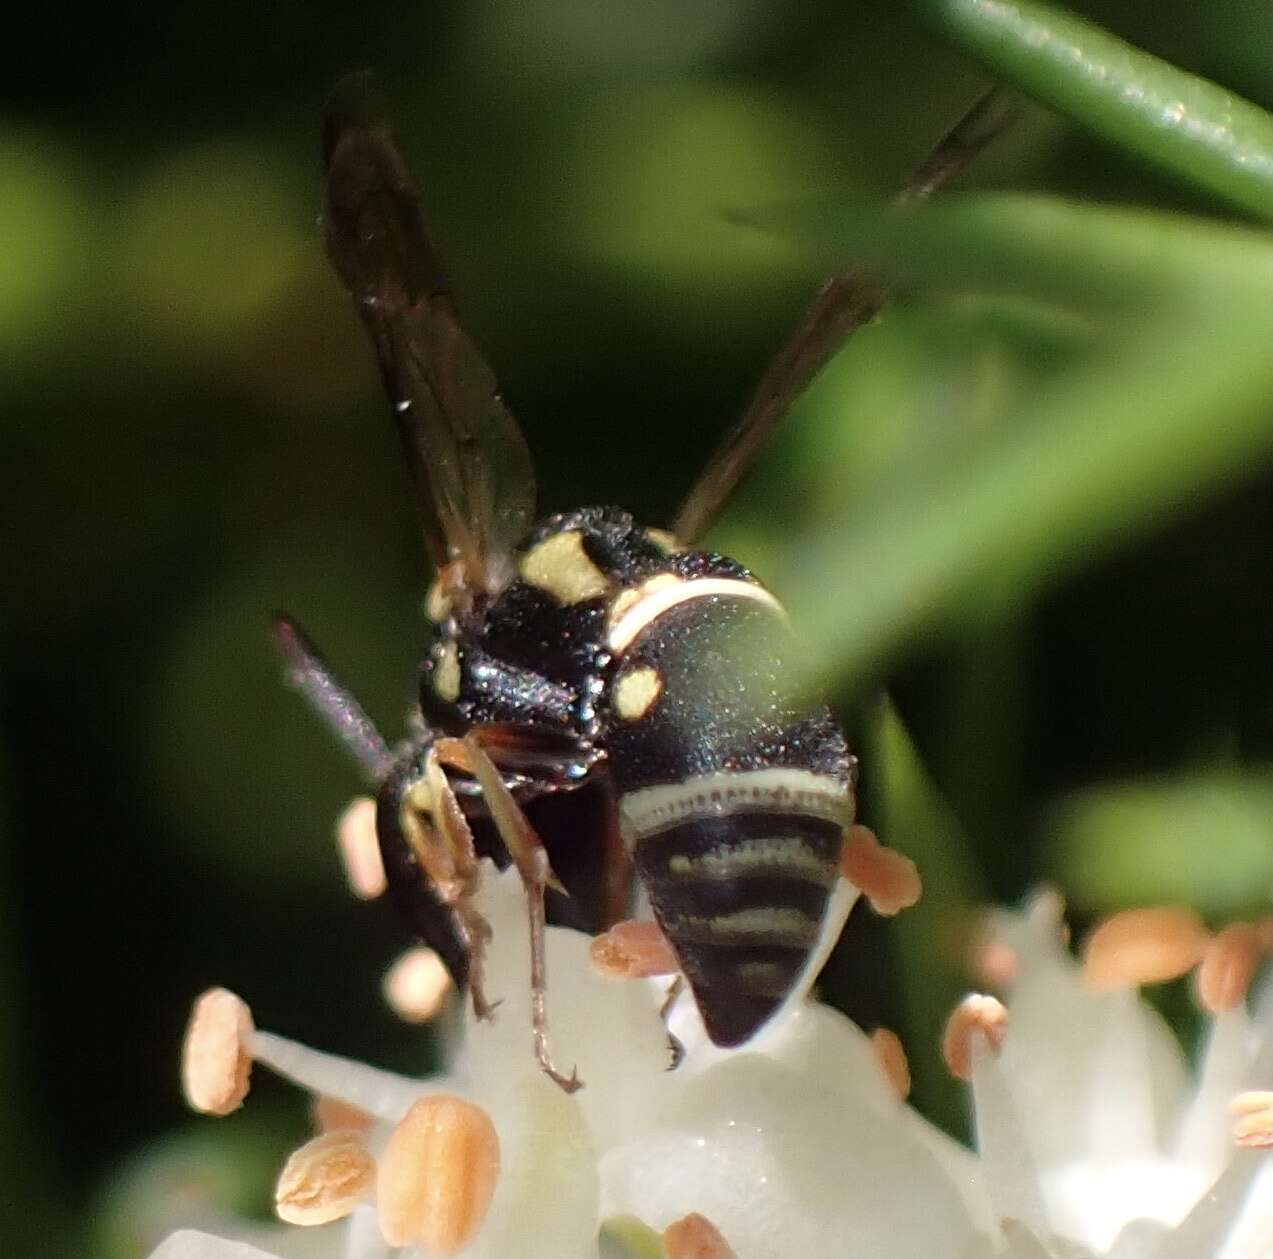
(382, 1094)
(437, 1175)
(416, 985)
(215, 1062)
(1224, 976)
(886, 878)
(891, 1055)
(360, 849)
(976, 1015)
(1253, 1128)
(632, 950)
(1143, 946)
(695, 1237)
(324, 1180)
(994, 963)
(330, 1114)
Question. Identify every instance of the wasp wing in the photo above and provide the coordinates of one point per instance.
(843, 304)
(474, 484)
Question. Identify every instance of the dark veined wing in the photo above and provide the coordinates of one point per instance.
(843, 304)
(474, 484)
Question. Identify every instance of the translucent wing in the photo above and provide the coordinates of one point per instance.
(843, 304)
(474, 484)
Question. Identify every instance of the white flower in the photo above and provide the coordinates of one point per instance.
(1092, 1140)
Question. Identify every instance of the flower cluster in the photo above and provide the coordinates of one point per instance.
(1092, 1139)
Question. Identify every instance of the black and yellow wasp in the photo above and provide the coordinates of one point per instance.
(597, 696)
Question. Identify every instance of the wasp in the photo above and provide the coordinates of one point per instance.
(645, 687)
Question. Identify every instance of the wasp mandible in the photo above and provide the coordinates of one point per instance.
(588, 658)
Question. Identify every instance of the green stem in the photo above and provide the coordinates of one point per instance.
(1185, 124)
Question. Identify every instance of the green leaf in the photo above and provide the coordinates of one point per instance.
(1187, 125)
(931, 938)
(626, 1237)
(1202, 839)
(1173, 400)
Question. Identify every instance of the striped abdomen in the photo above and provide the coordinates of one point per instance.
(732, 801)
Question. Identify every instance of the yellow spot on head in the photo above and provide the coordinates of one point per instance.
(560, 566)
(446, 672)
(636, 692)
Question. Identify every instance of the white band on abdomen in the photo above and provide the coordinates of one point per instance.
(779, 789)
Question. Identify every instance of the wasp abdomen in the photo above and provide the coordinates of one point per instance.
(732, 799)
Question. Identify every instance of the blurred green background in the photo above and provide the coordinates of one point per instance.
(1035, 501)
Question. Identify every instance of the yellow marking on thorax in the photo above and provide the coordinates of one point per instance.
(437, 603)
(636, 692)
(666, 591)
(446, 672)
(560, 566)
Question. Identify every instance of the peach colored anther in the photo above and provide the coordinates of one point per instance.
(695, 1237)
(325, 1179)
(437, 1175)
(416, 985)
(330, 1114)
(1224, 976)
(1143, 946)
(215, 1063)
(360, 849)
(975, 1015)
(994, 963)
(891, 1056)
(1253, 1126)
(887, 879)
(632, 950)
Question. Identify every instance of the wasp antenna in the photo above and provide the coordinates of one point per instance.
(309, 674)
(989, 117)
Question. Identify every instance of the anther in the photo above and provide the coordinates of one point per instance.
(1143, 946)
(632, 950)
(416, 985)
(1227, 968)
(887, 879)
(325, 1179)
(1253, 1124)
(437, 1175)
(975, 1016)
(215, 1062)
(994, 963)
(891, 1055)
(695, 1237)
(360, 849)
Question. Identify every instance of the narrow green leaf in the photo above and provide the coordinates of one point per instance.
(626, 1237)
(932, 939)
(1175, 401)
(1185, 124)
(1202, 839)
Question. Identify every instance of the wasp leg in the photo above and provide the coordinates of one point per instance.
(675, 1049)
(531, 859)
(440, 838)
